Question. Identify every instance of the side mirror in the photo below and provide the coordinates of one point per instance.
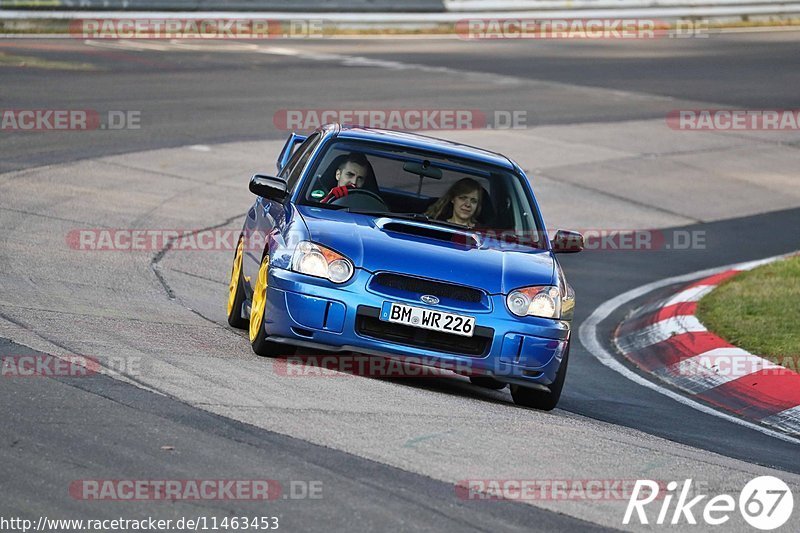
(268, 187)
(566, 242)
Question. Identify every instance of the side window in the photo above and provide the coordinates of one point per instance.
(299, 159)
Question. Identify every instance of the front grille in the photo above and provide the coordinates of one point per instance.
(372, 326)
(421, 286)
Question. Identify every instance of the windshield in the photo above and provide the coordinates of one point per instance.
(377, 179)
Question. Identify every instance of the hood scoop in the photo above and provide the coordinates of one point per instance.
(461, 238)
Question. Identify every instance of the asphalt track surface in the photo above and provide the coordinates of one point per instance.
(58, 430)
(212, 98)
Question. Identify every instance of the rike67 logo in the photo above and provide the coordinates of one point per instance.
(765, 503)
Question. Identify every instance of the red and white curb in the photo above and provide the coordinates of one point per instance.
(667, 340)
(591, 337)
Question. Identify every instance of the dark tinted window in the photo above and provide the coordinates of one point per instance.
(294, 168)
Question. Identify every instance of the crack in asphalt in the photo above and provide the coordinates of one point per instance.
(93, 315)
(151, 171)
(51, 217)
(154, 264)
(198, 276)
(618, 197)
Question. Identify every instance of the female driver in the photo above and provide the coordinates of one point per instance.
(461, 204)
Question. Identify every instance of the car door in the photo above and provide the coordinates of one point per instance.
(268, 216)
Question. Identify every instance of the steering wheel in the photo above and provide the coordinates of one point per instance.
(362, 199)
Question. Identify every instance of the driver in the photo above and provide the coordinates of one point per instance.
(351, 174)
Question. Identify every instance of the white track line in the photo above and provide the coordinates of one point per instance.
(588, 336)
(692, 294)
(362, 61)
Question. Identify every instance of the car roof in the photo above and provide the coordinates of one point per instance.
(424, 142)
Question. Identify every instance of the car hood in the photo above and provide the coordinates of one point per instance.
(384, 244)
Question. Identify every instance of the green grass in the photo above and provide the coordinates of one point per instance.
(8, 60)
(759, 311)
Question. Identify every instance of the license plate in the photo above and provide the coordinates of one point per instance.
(419, 317)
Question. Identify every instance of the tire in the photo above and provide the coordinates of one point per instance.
(538, 399)
(236, 294)
(258, 339)
(487, 382)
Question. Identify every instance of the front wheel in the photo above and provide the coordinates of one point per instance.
(539, 399)
(258, 339)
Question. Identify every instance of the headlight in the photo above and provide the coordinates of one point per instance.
(542, 301)
(317, 260)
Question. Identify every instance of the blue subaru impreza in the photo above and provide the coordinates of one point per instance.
(399, 246)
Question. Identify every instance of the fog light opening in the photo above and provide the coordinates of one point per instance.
(302, 332)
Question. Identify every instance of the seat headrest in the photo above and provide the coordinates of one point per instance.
(487, 216)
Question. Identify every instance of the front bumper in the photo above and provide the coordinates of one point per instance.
(316, 314)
